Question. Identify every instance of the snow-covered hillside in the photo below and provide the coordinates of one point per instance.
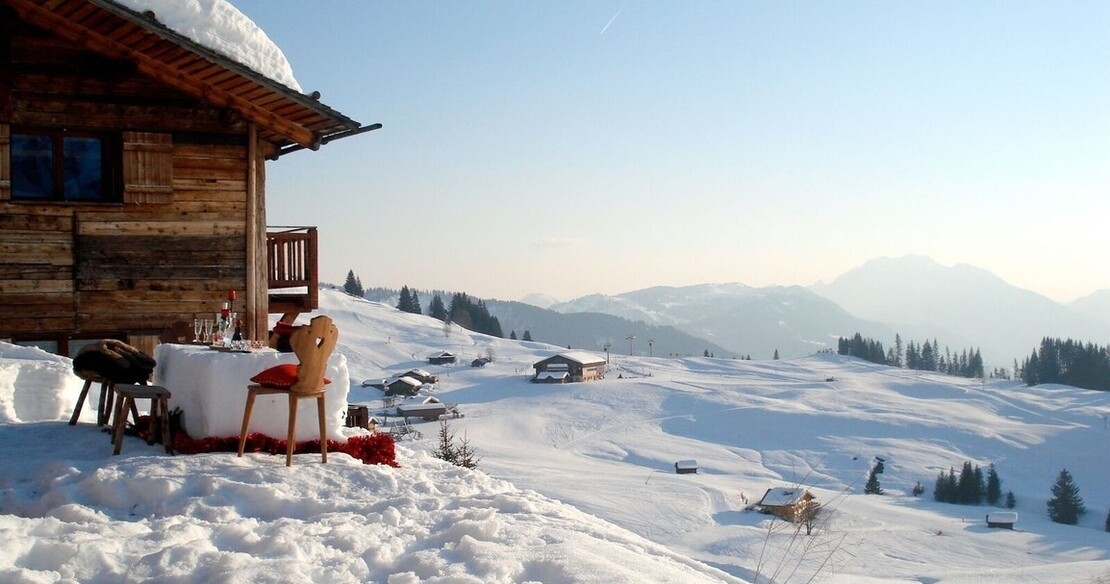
(576, 482)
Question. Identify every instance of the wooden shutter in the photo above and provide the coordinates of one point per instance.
(5, 163)
(147, 167)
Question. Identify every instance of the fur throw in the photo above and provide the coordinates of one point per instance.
(115, 361)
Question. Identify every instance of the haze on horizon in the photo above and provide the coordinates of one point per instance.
(570, 148)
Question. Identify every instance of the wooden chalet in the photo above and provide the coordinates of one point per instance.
(132, 179)
(569, 366)
(790, 503)
(403, 385)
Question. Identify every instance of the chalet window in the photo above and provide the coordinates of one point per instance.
(58, 165)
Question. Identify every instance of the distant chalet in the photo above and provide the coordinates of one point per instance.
(790, 504)
(568, 367)
(442, 358)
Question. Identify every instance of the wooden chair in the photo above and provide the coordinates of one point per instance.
(313, 345)
(159, 413)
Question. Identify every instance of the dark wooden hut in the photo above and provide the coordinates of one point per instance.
(132, 178)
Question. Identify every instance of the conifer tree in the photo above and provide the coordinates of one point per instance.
(968, 487)
(872, 487)
(446, 449)
(994, 486)
(353, 285)
(436, 309)
(776, 357)
(1066, 505)
(408, 301)
(527, 336)
(1108, 521)
(941, 492)
(467, 456)
(980, 485)
(952, 487)
(975, 364)
(928, 357)
(512, 335)
(913, 356)
(1011, 502)
(404, 302)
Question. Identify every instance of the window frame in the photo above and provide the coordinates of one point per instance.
(110, 191)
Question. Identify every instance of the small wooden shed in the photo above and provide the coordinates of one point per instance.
(569, 366)
(689, 466)
(442, 358)
(1002, 519)
(789, 503)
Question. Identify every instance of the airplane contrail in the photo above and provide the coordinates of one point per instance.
(607, 24)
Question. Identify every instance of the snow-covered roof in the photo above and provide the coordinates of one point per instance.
(552, 375)
(219, 26)
(580, 357)
(781, 496)
(421, 408)
(407, 381)
(583, 357)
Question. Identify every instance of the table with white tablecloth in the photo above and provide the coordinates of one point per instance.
(210, 387)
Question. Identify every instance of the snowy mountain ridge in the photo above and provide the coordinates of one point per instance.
(960, 306)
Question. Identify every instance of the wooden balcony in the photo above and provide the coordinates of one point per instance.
(292, 270)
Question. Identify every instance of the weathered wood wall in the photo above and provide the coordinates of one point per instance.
(177, 241)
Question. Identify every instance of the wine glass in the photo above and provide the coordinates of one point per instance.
(207, 330)
(198, 328)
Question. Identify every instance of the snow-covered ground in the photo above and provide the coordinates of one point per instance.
(576, 482)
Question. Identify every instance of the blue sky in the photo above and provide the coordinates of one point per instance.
(572, 147)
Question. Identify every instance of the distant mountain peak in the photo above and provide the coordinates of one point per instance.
(540, 300)
(964, 303)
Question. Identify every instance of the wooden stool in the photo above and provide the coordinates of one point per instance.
(104, 404)
(159, 412)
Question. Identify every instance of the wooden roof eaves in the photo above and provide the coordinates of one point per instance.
(163, 31)
(309, 123)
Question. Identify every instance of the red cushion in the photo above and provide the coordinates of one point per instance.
(284, 328)
(284, 375)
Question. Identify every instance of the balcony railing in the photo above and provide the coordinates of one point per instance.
(292, 269)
